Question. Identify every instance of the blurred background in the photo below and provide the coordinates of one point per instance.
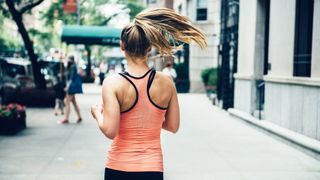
(262, 66)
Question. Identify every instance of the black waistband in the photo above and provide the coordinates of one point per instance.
(111, 174)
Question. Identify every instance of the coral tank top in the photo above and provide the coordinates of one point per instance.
(137, 146)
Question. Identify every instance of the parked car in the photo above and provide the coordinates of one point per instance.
(17, 84)
(21, 70)
(49, 70)
(8, 85)
(12, 79)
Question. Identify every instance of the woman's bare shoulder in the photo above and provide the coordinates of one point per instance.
(114, 80)
(163, 76)
(164, 79)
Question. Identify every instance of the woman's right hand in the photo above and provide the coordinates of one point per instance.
(96, 111)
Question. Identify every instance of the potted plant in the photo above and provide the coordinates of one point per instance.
(209, 78)
(12, 119)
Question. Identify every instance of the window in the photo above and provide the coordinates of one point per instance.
(151, 1)
(180, 9)
(303, 38)
(201, 10)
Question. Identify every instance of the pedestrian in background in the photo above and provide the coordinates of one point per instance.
(74, 86)
(170, 71)
(102, 71)
(59, 87)
(139, 102)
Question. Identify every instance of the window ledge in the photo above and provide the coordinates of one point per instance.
(304, 81)
(243, 76)
(202, 22)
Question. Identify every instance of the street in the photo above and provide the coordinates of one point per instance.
(210, 145)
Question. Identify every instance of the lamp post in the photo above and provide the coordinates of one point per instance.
(78, 12)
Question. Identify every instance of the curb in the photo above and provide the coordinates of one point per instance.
(296, 138)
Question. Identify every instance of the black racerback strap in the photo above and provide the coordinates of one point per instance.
(135, 88)
(150, 80)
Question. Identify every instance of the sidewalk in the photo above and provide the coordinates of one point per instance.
(211, 145)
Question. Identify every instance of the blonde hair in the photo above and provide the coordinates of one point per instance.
(159, 27)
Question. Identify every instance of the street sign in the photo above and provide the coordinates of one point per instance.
(70, 6)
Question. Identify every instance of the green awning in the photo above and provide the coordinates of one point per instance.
(91, 35)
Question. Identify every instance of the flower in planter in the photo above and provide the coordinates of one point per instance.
(12, 119)
(12, 108)
(5, 113)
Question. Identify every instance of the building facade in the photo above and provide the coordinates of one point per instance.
(228, 52)
(278, 71)
(206, 15)
(158, 3)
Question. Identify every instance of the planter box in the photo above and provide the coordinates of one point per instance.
(210, 88)
(182, 85)
(12, 124)
(30, 97)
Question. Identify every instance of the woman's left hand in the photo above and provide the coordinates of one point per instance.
(96, 111)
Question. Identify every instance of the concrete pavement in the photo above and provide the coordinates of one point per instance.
(211, 145)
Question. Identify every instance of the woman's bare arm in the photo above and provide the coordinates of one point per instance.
(172, 117)
(109, 119)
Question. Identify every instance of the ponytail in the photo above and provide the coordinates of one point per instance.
(160, 27)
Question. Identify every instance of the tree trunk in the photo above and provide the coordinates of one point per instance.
(17, 17)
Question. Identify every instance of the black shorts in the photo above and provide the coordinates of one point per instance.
(110, 174)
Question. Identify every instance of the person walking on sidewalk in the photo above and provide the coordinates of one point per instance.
(139, 102)
(74, 86)
(102, 71)
(170, 71)
(59, 87)
(59, 94)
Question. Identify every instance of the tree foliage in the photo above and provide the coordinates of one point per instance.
(134, 7)
(89, 13)
(5, 42)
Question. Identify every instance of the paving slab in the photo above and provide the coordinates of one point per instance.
(210, 145)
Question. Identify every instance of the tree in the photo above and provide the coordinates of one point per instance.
(42, 40)
(134, 7)
(5, 42)
(89, 15)
(17, 8)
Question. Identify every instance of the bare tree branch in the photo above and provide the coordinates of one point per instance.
(108, 19)
(30, 6)
(82, 2)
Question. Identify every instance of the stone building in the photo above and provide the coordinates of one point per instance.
(278, 72)
(206, 15)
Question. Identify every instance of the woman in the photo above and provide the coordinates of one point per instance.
(74, 86)
(138, 103)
